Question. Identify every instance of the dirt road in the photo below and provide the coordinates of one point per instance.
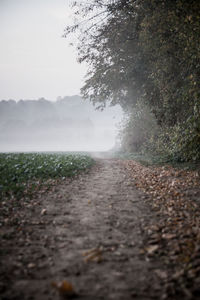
(88, 232)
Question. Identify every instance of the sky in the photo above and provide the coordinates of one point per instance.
(35, 60)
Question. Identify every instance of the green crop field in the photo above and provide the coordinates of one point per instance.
(23, 173)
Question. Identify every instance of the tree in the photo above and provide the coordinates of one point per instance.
(147, 52)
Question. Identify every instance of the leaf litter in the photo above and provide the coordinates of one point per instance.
(174, 195)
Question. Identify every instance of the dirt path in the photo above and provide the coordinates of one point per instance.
(100, 211)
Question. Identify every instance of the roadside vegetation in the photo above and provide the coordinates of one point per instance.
(149, 159)
(144, 55)
(23, 174)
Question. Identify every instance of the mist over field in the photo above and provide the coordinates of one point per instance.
(69, 124)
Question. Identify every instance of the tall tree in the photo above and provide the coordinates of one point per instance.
(145, 51)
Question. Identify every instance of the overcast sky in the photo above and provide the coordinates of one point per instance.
(35, 61)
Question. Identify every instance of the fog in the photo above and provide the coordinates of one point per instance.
(37, 62)
(69, 124)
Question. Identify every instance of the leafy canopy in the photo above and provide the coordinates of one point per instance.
(146, 52)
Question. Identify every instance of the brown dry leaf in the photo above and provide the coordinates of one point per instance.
(31, 265)
(64, 288)
(142, 251)
(43, 212)
(178, 274)
(168, 236)
(151, 249)
(94, 255)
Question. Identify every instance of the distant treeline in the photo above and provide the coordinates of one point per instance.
(34, 123)
(64, 108)
(41, 113)
(68, 123)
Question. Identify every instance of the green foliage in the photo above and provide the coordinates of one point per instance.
(22, 171)
(146, 159)
(147, 52)
(180, 142)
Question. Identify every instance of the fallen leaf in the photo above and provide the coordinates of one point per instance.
(31, 265)
(94, 254)
(168, 236)
(64, 288)
(151, 249)
(43, 212)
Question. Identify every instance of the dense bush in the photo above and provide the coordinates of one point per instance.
(138, 129)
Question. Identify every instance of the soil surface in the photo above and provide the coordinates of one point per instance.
(89, 232)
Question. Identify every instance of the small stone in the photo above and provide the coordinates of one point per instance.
(31, 266)
(161, 274)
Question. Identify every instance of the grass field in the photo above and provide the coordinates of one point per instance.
(23, 173)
